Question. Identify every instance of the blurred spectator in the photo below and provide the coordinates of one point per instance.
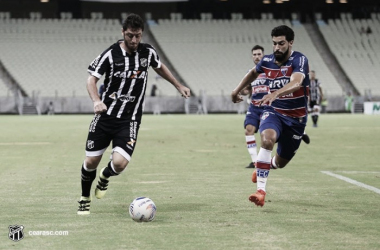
(348, 100)
(50, 109)
(369, 30)
(154, 91)
(101, 90)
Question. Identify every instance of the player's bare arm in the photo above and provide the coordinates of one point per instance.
(246, 91)
(99, 106)
(246, 81)
(294, 85)
(165, 73)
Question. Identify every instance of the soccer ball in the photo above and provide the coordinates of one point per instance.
(142, 209)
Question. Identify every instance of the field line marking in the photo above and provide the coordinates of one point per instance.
(359, 172)
(376, 190)
(23, 143)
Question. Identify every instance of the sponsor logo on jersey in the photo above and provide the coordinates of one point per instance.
(119, 64)
(267, 59)
(123, 98)
(260, 81)
(279, 83)
(260, 89)
(95, 62)
(131, 74)
(302, 63)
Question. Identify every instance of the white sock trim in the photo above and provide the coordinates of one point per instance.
(273, 163)
(113, 169)
(88, 169)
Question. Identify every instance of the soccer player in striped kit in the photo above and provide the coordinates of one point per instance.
(119, 110)
(285, 108)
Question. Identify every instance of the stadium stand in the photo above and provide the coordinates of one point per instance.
(49, 57)
(4, 91)
(356, 50)
(213, 55)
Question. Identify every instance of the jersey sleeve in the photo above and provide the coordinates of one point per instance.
(100, 64)
(259, 66)
(155, 61)
(301, 65)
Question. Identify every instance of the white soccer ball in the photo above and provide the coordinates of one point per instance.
(142, 209)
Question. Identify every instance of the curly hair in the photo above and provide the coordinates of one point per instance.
(133, 21)
(283, 30)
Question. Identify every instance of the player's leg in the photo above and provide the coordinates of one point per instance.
(287, 146)
(114, 167)
(97, 142)
(315, 115)
(88, 175)
(251, 144)
(124, 143)
(251, 124)
(270, 128)
(306, 138)
(312, 112)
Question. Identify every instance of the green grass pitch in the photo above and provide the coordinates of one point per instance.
(193, 168)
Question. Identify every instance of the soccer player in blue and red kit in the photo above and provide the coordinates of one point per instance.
(257, 89)
(285, 108)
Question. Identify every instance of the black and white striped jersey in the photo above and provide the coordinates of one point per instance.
(314, 91)
(125, 78)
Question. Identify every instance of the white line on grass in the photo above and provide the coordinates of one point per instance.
(359, 172)
(376, 190)
(23, 143)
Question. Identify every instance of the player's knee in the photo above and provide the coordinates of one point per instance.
(249, 130)
(119, 163)
(267, 143)
(281, 162)
(92, 162)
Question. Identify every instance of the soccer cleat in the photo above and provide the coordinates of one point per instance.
(258, 198)
(251, 165)
(254, 176)
(102, 186)
(306, 138)
(84, 205)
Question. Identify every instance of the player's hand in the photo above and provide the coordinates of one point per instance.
(236, 97)
(185, 91)
(99, 107)
(267, 99)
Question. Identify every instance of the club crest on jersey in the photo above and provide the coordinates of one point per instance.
(123, 98)
(143, 62)
(16, 233)
(284, 71)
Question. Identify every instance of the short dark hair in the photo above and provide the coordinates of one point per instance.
(256, 47)
(283, 30)
(312, 71)
(133, 21)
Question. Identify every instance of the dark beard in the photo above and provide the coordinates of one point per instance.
(281, 57)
